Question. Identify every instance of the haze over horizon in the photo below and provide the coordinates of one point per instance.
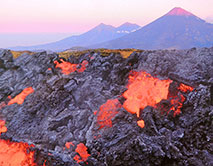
(66, 17)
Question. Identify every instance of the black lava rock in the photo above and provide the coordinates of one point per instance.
(63, 107)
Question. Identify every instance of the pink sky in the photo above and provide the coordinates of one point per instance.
(36, 16)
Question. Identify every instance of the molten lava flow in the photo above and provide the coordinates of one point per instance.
(3, 128)
(44, 164)
(185, 88)
(83, 66)
(68, 145)
(141, 123)
(177, 100)
(108, 111)
(95, 112)
(77, 158)
(68, 67)
(16, 154)
(177, 103)
(19, 99)
(82, 151)
(144, 90)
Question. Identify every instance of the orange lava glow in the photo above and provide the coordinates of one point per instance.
(95, 112)
(177, 103)
(44, 164)
(77, 158)
(16, 154)
(3, 128)
(144, 90)
(107, 111)
(83, 66)
(19, 99)
(141, 123)
(68, 144)
(68, 67)
(83, 154)
(185, 88)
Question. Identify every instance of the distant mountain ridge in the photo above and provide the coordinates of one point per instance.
(98, 34)
(127, 28)
(178, 29)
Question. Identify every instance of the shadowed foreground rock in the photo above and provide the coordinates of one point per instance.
(63, 108)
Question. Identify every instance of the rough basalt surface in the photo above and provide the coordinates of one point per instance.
(62, 107)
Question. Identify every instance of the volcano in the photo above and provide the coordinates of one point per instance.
(100, 33)
(178, 29)
(179, 12)
(150, 108)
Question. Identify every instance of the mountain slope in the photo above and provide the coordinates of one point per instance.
(177, 29)
(99, 34)
(127, 28)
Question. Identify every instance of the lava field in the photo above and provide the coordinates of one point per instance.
(154, 108)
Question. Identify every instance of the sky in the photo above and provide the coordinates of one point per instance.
(78, 16)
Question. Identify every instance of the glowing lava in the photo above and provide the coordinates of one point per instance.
(19, 99)
(82, 151)
(83, 66)
(108, 111)
(67, 67)
(3, 128)
(16, 154)
(144, 90)
(185, 88)
(68, 144)
(141, 123)
(177, 103)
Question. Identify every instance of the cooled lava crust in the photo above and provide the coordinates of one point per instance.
(76, 114)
